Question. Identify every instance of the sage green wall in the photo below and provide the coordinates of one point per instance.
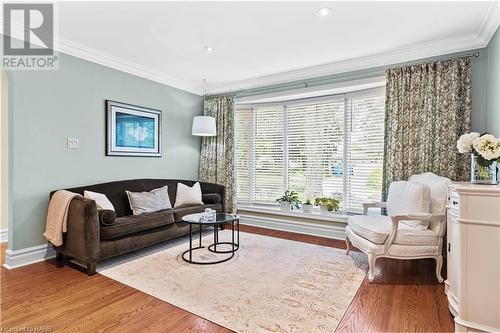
(493, 86)
(47, 107)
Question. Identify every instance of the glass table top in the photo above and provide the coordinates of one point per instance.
(219, 218)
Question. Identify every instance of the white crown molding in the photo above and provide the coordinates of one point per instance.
(399, 55)
(28, 256)
(105, 59)
(485, 29)
(489, 23)
(86, 53)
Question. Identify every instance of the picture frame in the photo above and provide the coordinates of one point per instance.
(132, 130)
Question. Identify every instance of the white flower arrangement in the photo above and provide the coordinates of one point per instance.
(485, 146)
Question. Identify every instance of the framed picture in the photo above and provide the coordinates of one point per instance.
(132, 130)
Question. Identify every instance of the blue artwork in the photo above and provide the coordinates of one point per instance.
(135, 131)
(132, 130)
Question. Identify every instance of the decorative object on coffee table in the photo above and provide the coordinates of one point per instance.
(132, 130)
(485, 155)
(220, 219)
(288, 200)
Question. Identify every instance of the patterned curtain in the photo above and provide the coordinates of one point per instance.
(217, 160)
(428, 107)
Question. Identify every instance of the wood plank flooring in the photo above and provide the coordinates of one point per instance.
(404, 298)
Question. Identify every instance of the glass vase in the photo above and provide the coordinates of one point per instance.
(483, 174)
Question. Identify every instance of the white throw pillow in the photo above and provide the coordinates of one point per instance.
(188, 195)
(100, 199)
(148, 202)
(409, 198)
(439, 190)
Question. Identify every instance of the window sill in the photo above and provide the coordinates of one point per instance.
(315, 215)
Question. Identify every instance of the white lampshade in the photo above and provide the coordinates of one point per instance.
(203, 126)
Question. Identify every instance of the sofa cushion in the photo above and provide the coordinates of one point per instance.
(376, 229)
(188, 195)
(148, 202)
(211, 198)
(409, 198)
(131, 224)
(115, 191)
(106, 216)
(182, 211)
(100, 199)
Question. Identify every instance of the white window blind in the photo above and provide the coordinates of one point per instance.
(330, 146)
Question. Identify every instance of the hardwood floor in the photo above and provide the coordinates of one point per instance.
(404, 298)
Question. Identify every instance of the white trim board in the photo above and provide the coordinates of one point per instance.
(313, 229)
(4, 236)
(480, 38)
(28, 256)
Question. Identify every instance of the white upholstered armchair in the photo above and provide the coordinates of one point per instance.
(414, 227)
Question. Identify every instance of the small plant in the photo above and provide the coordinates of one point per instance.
(307, 207)
(290, 197)
(329, 203)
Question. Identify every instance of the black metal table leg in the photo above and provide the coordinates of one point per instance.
(199, 243)
(190, 242)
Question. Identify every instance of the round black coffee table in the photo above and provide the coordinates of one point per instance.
(220, 219)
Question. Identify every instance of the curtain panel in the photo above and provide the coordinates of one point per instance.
(217, 152)
(428, 107)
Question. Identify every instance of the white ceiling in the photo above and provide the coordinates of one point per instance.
(258, 43)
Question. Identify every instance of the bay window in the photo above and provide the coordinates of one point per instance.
(329, 146)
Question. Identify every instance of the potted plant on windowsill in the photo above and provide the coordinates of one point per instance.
(327, 205)
(288, 200)
(307, 207)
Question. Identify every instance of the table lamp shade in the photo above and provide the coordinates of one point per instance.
(203, 126)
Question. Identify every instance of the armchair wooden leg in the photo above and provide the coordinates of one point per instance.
(348, 245)
(91, 267)
(439, 265)
(371, 263)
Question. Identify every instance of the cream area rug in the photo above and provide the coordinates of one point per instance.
(271, 284)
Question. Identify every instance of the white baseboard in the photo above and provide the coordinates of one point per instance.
(28, 256)
(4, 235)
(310, 228)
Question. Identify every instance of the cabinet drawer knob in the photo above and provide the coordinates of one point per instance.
(455, 202)
(449, 247)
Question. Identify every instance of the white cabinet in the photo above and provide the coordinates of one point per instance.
(473, 236)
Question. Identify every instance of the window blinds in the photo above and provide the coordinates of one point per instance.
(330, 146)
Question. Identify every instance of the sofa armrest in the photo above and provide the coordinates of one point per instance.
(83, 233)
(207, 188)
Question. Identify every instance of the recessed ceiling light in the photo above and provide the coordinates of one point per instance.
(325, 11)
(208, 48)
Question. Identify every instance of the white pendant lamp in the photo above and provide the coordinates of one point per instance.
(203, 126)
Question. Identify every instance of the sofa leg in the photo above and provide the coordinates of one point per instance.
(91, 267)
(60, 256)
(348, 245)
(371, 263)
(439, 265)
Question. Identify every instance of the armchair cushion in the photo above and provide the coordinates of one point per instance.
(376, 229)
(409, 198)
(438, 190)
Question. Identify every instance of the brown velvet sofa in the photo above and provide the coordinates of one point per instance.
(91, 236)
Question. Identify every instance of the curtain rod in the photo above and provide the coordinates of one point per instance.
(307, 83)
(469, 55)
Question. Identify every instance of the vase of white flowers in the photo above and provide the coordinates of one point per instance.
(485, 155)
